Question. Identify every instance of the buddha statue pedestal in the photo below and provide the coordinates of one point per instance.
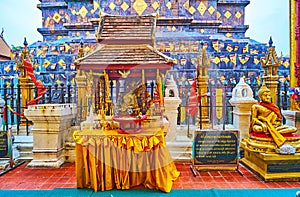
(261, 157)
(272, 149)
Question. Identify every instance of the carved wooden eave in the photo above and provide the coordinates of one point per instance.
(124, 57)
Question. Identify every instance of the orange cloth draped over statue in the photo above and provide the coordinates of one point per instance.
(273, 108)
(106, 160)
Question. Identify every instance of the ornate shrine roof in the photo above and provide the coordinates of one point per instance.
(126, 29)
(126, 42)
(113, 57)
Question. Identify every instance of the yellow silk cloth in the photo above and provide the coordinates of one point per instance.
(106, 160)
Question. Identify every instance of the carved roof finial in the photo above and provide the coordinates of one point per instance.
(270, 42)
(25, 42)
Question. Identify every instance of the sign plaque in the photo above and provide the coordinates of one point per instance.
(214, 148)
(3, 144)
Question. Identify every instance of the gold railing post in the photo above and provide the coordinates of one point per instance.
(203, 64)
(81, 82)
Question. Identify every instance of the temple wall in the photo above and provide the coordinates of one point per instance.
(73, 18)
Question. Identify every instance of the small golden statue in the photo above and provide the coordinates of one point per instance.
(267, 118)
(128, 102)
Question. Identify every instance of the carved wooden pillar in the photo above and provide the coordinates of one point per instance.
(82, 99)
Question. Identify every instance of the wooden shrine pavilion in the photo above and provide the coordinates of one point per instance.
(126, 58)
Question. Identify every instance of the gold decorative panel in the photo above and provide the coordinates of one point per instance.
(74, 12)
(46, 63)
(227, 14)
(96, 6)
(67, 47)
(83, 11)
(211, 9)
(192, 10)
(61, 62)
(124, 6)
(201, 8)
(56, 17)
(87, 49)
(155, 5)
(139, 6)
(218, 15)
(228, 35)
(186, 5)
(169, 5)
(112, 6)
(216, 60)
(238, 15)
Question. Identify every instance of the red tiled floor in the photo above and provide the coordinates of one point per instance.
(65, 177)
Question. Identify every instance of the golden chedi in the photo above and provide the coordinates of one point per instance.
(266, 132)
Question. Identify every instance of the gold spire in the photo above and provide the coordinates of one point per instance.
(271, 63)
(203, 62)
(80, 52)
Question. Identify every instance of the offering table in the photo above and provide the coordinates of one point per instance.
(107, 159)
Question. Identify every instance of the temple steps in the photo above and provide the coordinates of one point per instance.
(22, 147)
(181, 151)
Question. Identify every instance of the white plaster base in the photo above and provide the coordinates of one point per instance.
(45, 164)
(50, 129)
(171, 109)
(292, 118)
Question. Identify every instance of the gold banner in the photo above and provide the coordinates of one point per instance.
(219, 103)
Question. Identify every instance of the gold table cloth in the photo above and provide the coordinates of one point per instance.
(106, 160)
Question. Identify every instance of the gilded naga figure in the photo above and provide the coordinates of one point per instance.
(267, 118)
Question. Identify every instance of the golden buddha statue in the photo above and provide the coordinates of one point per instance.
(267, 118)
(128, 101)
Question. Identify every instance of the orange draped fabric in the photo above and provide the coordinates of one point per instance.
(106, 160)
(272, 107)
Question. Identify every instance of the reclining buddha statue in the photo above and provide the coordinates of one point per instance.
(267, 118)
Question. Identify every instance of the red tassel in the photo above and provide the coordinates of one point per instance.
(4, 114)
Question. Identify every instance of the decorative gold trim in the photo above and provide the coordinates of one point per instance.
(293, 78)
